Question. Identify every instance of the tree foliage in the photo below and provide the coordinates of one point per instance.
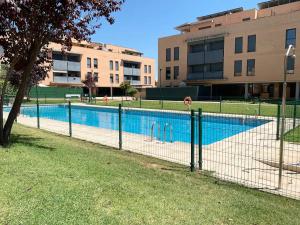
(128, 89)
(26, 29)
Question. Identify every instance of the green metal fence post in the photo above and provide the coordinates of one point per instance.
(295, 115)
(259, 106)
(162, 104)
(140, 101)
(220, 104)
(120, 127)
(70, 119)
(278, 122)
(192, 141)
(200, 139)
(38, 113)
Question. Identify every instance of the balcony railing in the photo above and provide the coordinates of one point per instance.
(206, 76)
(132, 71)
(63, 65)
(67, 80)
(74, 66)
(60, 65)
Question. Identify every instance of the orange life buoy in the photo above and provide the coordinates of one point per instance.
(187, 101)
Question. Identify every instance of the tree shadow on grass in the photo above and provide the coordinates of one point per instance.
(28, 141)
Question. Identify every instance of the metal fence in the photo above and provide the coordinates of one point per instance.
(240, 148)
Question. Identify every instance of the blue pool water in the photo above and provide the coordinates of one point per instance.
(215, 128)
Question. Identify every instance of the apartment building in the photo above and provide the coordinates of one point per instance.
(109, 65)
(236, 52)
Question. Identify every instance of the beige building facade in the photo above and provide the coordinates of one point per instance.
(236, 52)
(109, 65)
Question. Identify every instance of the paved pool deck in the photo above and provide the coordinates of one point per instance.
(244, 158)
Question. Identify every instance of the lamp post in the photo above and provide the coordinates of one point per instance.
(290, 53)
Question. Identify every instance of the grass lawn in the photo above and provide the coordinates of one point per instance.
(50, 179)
(246, 108)
(293, 135)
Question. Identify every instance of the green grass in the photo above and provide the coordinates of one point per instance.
(50, 179)
(229, 107)
(293, 135)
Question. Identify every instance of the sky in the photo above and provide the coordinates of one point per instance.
(141, 22)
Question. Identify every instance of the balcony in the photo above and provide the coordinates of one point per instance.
(215, 56)
(206, 76)
(195, 58)
(67, 80)
(132, 71)
(60, 65)
(63, 65)
(199, 58)
(135, 82)
(74, 66)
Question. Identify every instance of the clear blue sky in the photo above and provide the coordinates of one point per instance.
(142, 22)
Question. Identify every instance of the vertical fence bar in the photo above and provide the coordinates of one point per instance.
(278, 122)
(295, 115)
(38, 113)
(200, 139)
(192, 141)
(140, 101)
(70, 119)
(220, 104)
(120, 127)
(259, 106)
(162, 104)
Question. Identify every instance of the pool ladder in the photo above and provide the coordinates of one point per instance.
(165, 132)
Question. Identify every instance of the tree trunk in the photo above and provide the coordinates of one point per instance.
(20, 94)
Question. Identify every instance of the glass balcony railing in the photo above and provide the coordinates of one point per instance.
(63, 65)
(67, 80)
(132, 71)
(206, 76)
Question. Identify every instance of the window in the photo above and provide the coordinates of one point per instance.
(149, 80)
(239, 45)
(88, 75)
(176, 53)
(145, 80)
(117, 65)
(111, 65)
(197, 69)
(176, 72)
(203, 28)
(168, 54)
(149, 69)
(216, 45)
(89, 63)
(238, 67)
(197, 48)
(117, 78)
(111, 77)
(96, 77)
(251, 43)
(250, 67)
(215, 67)
(290, 37)
(145, 68)
(96, 63)
(57, 56)
(168, 73)
(290, 65)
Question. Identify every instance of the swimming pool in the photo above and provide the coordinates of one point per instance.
(215, 128)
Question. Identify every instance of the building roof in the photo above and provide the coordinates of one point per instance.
(273, 3)
(214, 15)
